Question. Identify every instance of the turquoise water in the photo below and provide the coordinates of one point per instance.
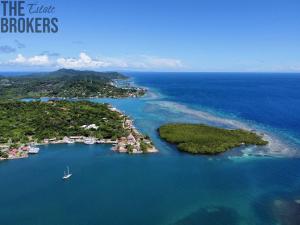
(165, 188)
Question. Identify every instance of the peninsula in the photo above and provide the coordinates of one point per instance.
(26, 124)
(67, 83)
(203, 139)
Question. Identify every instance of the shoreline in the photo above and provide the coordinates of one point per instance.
(134, 143)
(276, 147)
(140, 93)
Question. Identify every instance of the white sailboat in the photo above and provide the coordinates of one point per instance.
(67, 175)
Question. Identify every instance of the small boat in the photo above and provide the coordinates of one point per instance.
(33, 150)
(68, 140)
(67, 175)
(89, 141)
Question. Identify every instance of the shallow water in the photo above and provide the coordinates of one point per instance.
(165, 188)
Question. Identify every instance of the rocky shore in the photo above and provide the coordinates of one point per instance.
(135, 142)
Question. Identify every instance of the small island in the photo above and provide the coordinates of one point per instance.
(207, 140)
(23, 125)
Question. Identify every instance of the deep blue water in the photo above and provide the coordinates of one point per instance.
(169, 187)
(270, 99)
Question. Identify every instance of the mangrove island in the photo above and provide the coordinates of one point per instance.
(203, 139)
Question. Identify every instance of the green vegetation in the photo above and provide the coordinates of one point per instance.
(3, 155)
(203, 139)
(66, 83)
(129, 148)
(21, 122)
(144, 146)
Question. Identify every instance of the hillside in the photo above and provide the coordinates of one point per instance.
(66, 83)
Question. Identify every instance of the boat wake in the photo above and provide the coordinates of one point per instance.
(277, 147)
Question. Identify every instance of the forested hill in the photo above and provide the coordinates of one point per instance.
(78, 74)
(65, 83)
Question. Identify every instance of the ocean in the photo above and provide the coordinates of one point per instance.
(246, 186)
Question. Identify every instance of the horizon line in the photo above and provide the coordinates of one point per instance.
(141, 71)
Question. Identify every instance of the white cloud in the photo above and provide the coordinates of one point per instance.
(85, 61)
(139, 62)
(19, 59)
(38, 60)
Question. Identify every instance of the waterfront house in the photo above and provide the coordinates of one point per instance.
(131, 139)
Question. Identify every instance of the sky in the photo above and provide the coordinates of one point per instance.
(162, 35)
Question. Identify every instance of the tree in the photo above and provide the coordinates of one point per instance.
(129, 148)
(3, 155)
